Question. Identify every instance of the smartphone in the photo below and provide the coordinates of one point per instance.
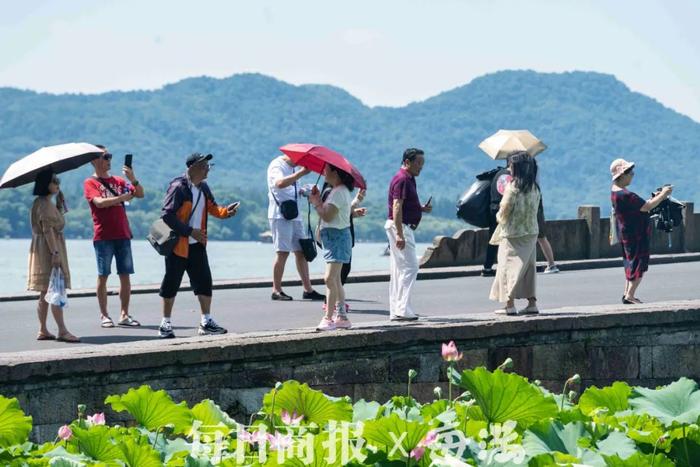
(429, 200)
(128, 160)
(235, 205)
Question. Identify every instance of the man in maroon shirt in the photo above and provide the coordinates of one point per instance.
(405, 212)
(106, 196)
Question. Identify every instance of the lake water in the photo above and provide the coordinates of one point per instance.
(228, 260)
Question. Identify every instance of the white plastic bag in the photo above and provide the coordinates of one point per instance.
(614, 236)
(56, 294)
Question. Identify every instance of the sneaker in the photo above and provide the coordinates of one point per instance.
(281, 296)
(403, 318)
(210, 328)
(490, 272)
(529, 310)
(326, 325)
(341, 322)
(551, 269)
(165, 331)
(313, 295)
(510, 311)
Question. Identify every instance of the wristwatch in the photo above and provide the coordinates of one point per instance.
(135, 183)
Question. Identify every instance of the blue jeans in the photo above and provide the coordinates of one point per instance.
(105, 250)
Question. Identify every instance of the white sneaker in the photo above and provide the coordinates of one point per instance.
(551, 269)
(529, 310)
(507, 311)
(326, 325)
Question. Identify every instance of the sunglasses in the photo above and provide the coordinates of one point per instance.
(106, 156)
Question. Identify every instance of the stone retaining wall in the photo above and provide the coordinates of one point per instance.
(646, 344)
(572, 239)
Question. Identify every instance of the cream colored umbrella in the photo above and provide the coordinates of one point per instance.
(505, 142)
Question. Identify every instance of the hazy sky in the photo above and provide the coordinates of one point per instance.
(383, 52)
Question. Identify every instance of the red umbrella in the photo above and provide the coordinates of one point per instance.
(315, 158)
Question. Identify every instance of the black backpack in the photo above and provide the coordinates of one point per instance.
(668, 214)
(474, 206)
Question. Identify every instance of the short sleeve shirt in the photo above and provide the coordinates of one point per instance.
(341, 198)
(403, 186)
(108, 223)
(278, 169)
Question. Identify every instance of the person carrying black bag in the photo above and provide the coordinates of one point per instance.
(187, 204)
(498, 183)
(287, 226)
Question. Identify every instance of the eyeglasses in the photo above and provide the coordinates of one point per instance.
(106, 156)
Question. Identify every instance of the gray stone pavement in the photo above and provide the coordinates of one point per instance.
(250, 310)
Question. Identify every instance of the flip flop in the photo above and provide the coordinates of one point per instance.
(128, 321)
(71, 339)
(45, 337)
(107, 322)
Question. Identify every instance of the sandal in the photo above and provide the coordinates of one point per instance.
(69, 338)
(128, 321)
(45, 337)
(107, 322)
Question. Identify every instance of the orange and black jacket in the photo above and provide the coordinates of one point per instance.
(177, 207)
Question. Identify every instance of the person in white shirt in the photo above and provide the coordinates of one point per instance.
(286, 225)
(335, 214)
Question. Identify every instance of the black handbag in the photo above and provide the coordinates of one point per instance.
(308, 245)
(289, 208)
(162, 238)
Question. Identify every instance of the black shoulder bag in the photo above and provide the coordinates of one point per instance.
(308, 245)
(162, 238)
(289, 208)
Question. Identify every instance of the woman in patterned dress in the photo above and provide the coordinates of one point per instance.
(633, 225)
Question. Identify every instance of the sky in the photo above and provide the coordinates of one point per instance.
(384, 52)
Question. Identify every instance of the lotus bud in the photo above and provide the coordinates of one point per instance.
(537, 382)
(82, 408)
(574, 379)
(65, 433)
(572, 395)
(438, 392)
(450, 352)
(507, 364)
(412, 374)
(278, 385)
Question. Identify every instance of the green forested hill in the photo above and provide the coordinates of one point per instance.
(587, 119)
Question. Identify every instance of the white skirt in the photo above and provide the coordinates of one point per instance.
(516, 271)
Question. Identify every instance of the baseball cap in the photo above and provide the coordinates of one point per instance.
(197, 157)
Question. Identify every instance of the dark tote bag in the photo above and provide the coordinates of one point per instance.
(308, 245)
(162, 238)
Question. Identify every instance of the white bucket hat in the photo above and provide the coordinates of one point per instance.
(619, 167)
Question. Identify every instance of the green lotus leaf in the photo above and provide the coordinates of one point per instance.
(14, 424)
(435, 409)
(152, 409)
(639, 459)
(66, 462)
(210, 413)
(614, 398)
(139, 455)
(679, 402)
(363, 410)
(384, 433)
(506, 396)
(616, 444)
(97, 443)
(319, 455)
(315, 406)
(641, 428)
(548, 437)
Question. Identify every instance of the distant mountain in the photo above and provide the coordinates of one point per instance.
(586, 119)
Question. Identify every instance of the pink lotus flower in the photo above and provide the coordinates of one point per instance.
(260, 437)
(65, 433)
(244, 435)
(450, 353)
(429, 438)
(278, 441)
(97, 419)
(291, 419)
(417, 452)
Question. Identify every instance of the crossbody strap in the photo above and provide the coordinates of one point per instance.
(295, 192)
(194, 207)
(106, 185)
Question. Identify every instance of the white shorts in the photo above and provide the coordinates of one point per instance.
(286, 234)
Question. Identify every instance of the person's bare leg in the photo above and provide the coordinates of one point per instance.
(168, 307)
(546, 250)
(102, 295)
(124, 294)
(57, 313)
(42, 311)
(278, 270)
(303, 269)
(331, 289)
(633, 289)
(204, 304)
(510, 303)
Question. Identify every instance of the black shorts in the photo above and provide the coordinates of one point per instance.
(197, 266)
(541, 224)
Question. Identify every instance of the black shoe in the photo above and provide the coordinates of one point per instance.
(313, 295)
(165, 331)
(490, 272)
(281, 296)
(210, 328)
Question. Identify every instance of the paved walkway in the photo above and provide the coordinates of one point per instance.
(250, 310)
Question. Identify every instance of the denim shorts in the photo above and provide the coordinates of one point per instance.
(337, 245)
(105, 250)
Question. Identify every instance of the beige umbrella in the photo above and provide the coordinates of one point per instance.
(59, 158)
(505, 142)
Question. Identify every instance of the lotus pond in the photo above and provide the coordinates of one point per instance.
(487, 418)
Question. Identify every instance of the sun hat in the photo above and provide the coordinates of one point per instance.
(619, 167)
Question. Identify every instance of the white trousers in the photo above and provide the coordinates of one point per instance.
(404, 270)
